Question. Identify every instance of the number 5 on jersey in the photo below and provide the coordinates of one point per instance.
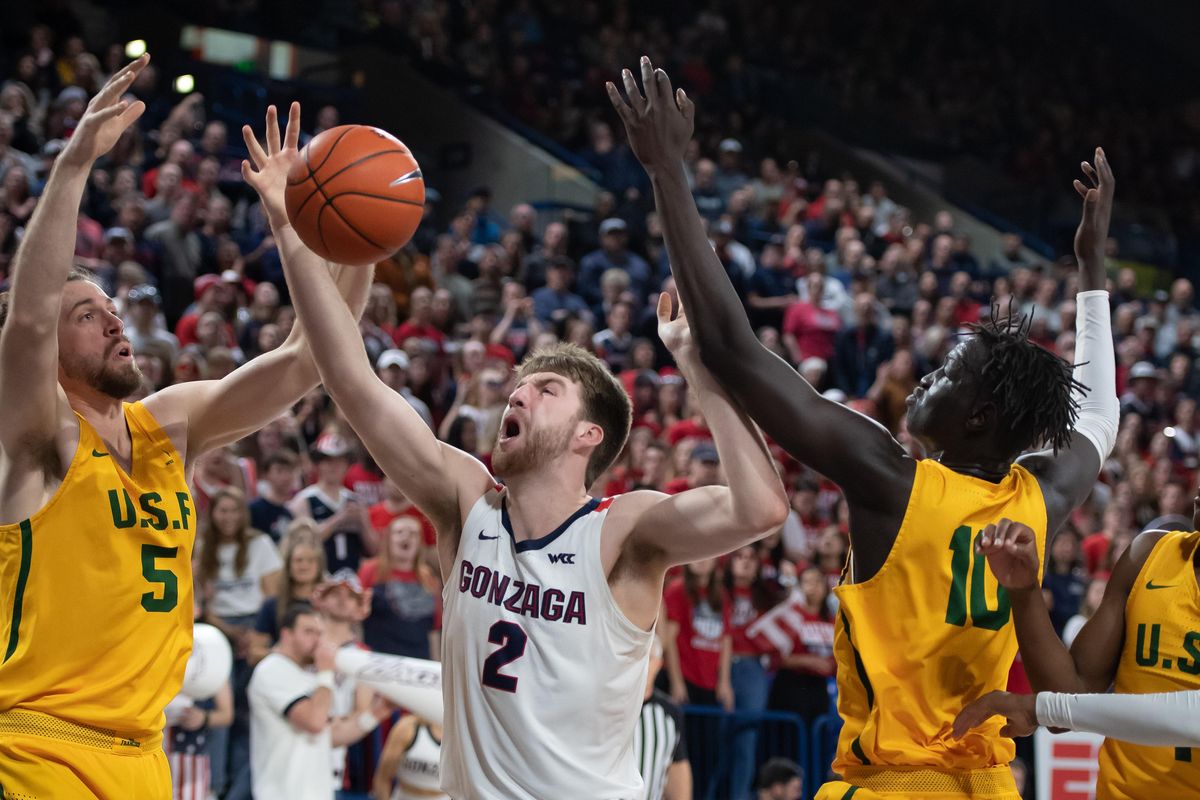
(993, 619)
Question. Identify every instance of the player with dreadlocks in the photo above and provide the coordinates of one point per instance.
(922, 625)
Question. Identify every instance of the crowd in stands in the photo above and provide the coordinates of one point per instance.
(838, 279)
(758, 69)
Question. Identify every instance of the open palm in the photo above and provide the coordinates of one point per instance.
(106, 118)
(267, 170)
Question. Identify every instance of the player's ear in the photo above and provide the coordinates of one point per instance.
(589, 434)
(982, 417)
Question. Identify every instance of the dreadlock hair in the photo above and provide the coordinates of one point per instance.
(1033, 389)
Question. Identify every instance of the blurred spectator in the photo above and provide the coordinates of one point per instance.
(405, 609)
(800, 685)
(1065, 581)
(341, 519)
(1087, 608)
(304, 567)
(697, 637)
(614, 253)
(280, 480)
(780, 779)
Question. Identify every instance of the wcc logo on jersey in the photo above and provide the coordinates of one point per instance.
(561, 558)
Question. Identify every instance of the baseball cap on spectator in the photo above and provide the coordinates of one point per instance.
(118, 233)
(432, 195)
(144, 293)
(245, 284)
(836, 395)
(706, 452)
(730, 146)
(670, 375)
(205, 282)
(646, 377)
(71, 93)
(343, 577)
(330, 445)
(613, 225)
(392, 358)
(1161, 296)
(723, 228)
(53, 147)
(1145, 322)
(499, 351)
(1143, 369)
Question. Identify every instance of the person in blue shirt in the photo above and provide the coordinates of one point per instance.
(614, 252)
(555, 302)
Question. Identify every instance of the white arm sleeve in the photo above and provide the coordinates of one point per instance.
(1171, 719)
(1099, 410)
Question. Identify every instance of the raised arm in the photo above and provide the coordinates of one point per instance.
(711, 520)
(30, 395)
(1067, 477)
(1091, 663)
(852, 450)
(433, 474)
(203, 415)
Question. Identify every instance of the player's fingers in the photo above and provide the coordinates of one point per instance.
(1102, 163)
(631, 89)
(685, 104)
(971, 716)
(618, 102)
(121, 79)
(649, 85)
(1079, 187)
(272, 130)
(1090, 171)
(985, 537)
(664, 308)
(291, 137)
(131, 112)
(257, 156)
(105, 114)
(247, 172)
(662, 84)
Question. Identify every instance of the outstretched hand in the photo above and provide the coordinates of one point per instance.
(1011, 550)
(267, 170)
(1092, 234)
(1019, 711)
(658, 121)
(676, 334)
(107, 117)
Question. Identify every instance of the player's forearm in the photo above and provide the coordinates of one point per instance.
(329, 327)
(1170, 719)
(700, 278)
(40, 266)
(756, 493)
(1047, 661)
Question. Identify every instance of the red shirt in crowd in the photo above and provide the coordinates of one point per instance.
(815, 329)
(380, 517)
(364, 483)
(701, 630)
(741, 616)
(1095, 548)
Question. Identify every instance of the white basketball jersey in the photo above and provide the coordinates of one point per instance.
(542, 674)
(418, 771)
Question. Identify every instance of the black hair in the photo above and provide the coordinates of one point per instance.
(777, 771)
(294, 612)
(1033, 389)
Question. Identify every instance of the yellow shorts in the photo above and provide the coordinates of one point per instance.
(43, 758)
(894, 783)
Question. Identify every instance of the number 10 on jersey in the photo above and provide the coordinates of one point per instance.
(962, 545)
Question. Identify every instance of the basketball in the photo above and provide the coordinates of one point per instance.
(209, 665)
(356, 195)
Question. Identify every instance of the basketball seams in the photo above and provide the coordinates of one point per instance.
(329, 204)
(373, 196)
(312, 175)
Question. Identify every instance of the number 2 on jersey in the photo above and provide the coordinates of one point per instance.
(962, 545)
(512, 640)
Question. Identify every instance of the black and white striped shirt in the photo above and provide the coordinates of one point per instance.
(658, 742)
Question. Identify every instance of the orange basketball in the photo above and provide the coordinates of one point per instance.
(356, 195)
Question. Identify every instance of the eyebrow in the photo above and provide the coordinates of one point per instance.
(88, 301)
(539, 382)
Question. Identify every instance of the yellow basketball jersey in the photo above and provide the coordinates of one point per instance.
(932, 630)
(1161, 654)
(96, 589)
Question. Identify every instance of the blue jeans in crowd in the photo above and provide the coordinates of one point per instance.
(751, 686)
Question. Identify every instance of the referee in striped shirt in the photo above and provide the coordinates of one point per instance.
(658, 742)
